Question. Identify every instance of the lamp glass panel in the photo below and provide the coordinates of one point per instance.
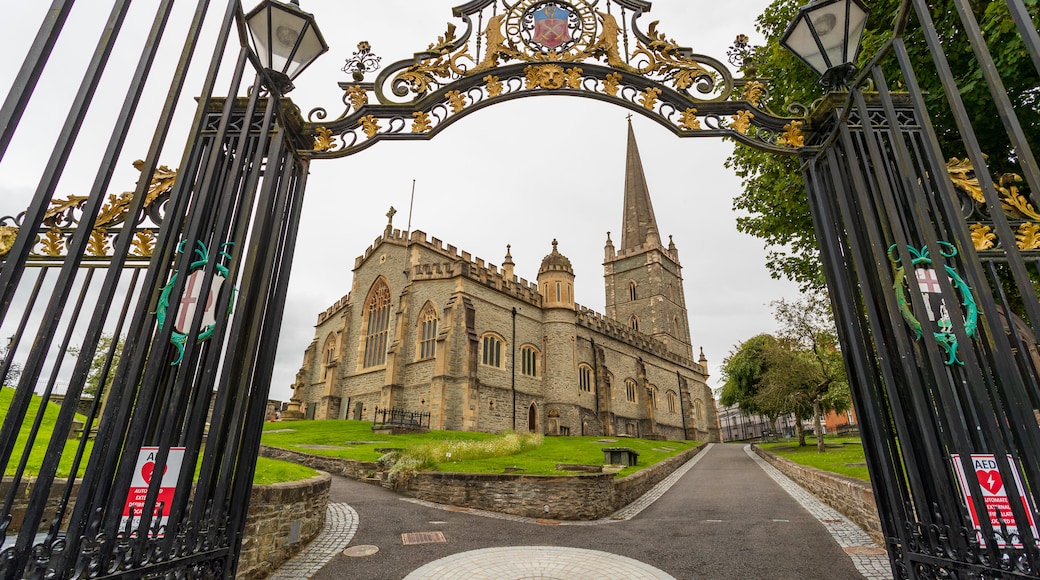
(311, 47)
(800, 41)
(286, 26)
(857, 24)
(829, 22)
(258, 24)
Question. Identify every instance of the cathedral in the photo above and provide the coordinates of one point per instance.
(428, 329)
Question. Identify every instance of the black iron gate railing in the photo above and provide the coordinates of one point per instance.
(938, 317)
(185, 280)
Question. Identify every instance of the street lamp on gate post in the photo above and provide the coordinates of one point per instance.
(826, 35)
(286, 40)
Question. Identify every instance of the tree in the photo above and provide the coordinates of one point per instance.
(773, 200)
(805, 372)
(98, 365)
(14, 372)
(742, 371)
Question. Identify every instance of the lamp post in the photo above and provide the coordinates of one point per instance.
(286, 40)
(826, 35)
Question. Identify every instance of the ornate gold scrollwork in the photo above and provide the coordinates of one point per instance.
(753, 92)
(357, 96)
(143, 244)
(689, 121)
(422, 76)
(611, 83)
(421, 124)
(545, 76)
(961, 173)
(1028, 236)
(742, 121)
(666, 57)
(370, 125)
(792, 136)
(498, 46)
(574, 77)
(52, 242)
(982, 237)
(494, 85)
(8, 235)
(456, 100)
(606, 46)
(323, 139)
(98, 244)
(649, 98)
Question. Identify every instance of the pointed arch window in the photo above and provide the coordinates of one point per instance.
(328, 355)
(630, 390)
(585, 378)
(673, 402)
(491, 351)
(633, 323)
(651, 393)
(428, 332)
(529, 361)
(376, 325)
(632, 290)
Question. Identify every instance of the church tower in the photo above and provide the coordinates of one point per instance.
(643, 278)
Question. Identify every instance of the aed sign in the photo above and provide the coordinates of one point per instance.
(994, 494)
(144, 473)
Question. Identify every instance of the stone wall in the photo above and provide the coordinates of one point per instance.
(852, 497)
(558, 497)
(346, 467)
(282, 519)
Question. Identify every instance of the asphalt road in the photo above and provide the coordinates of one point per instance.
(725, 519)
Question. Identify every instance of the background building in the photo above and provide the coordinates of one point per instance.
(428, 328)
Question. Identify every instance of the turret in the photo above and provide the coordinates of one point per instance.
(556, 280)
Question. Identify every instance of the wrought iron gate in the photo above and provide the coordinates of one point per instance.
(188, 390)
(934, 289)
(939, 318)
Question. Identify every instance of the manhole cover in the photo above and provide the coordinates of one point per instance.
(360, 551)
(414, 538)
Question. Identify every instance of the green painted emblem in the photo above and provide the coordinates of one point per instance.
(189, 301)
(927, 282)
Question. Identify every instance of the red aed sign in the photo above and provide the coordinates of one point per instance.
(144, 473)
(994, 494)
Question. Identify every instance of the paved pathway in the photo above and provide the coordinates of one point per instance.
(724, 514)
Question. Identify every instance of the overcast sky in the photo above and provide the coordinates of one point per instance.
(520, 173)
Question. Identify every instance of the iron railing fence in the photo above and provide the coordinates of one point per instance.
(188, 273)
(402, 418)
(933, 287)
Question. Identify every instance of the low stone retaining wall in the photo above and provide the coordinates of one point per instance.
(558, 497)
(282, 519)
(852, 497)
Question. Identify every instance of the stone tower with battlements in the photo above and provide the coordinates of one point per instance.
(643, 278)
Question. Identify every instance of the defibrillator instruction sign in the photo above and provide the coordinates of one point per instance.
(994, 494)
(144, 473)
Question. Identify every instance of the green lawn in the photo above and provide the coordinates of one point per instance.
(268, 471)
(355, 440)
(844, 455)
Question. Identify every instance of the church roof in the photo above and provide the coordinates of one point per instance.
(555, 261)
(640, 225)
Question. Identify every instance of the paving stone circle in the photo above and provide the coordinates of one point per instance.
(529, 562)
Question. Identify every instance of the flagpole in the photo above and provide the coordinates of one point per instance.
(411, 204)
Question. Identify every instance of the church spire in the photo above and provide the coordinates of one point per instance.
(640, 225)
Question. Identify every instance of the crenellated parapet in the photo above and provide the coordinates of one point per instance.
(607, 326)
(331, 310)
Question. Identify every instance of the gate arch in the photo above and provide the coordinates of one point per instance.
(259, 145)
(691, 95)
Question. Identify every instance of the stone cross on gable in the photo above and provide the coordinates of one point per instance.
(390, 216)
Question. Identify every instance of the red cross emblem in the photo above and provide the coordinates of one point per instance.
(928, 281)
(190, 299)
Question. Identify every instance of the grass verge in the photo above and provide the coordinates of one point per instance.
(355, 440)
(844, 455)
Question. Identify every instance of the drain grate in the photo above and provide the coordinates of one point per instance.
(414, 538)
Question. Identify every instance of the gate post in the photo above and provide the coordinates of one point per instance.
(945, 401)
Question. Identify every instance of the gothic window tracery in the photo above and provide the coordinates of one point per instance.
(376, 324)
(491, 351)
(585, 378)
(428, 332)
(529, 361)
(630, 390)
